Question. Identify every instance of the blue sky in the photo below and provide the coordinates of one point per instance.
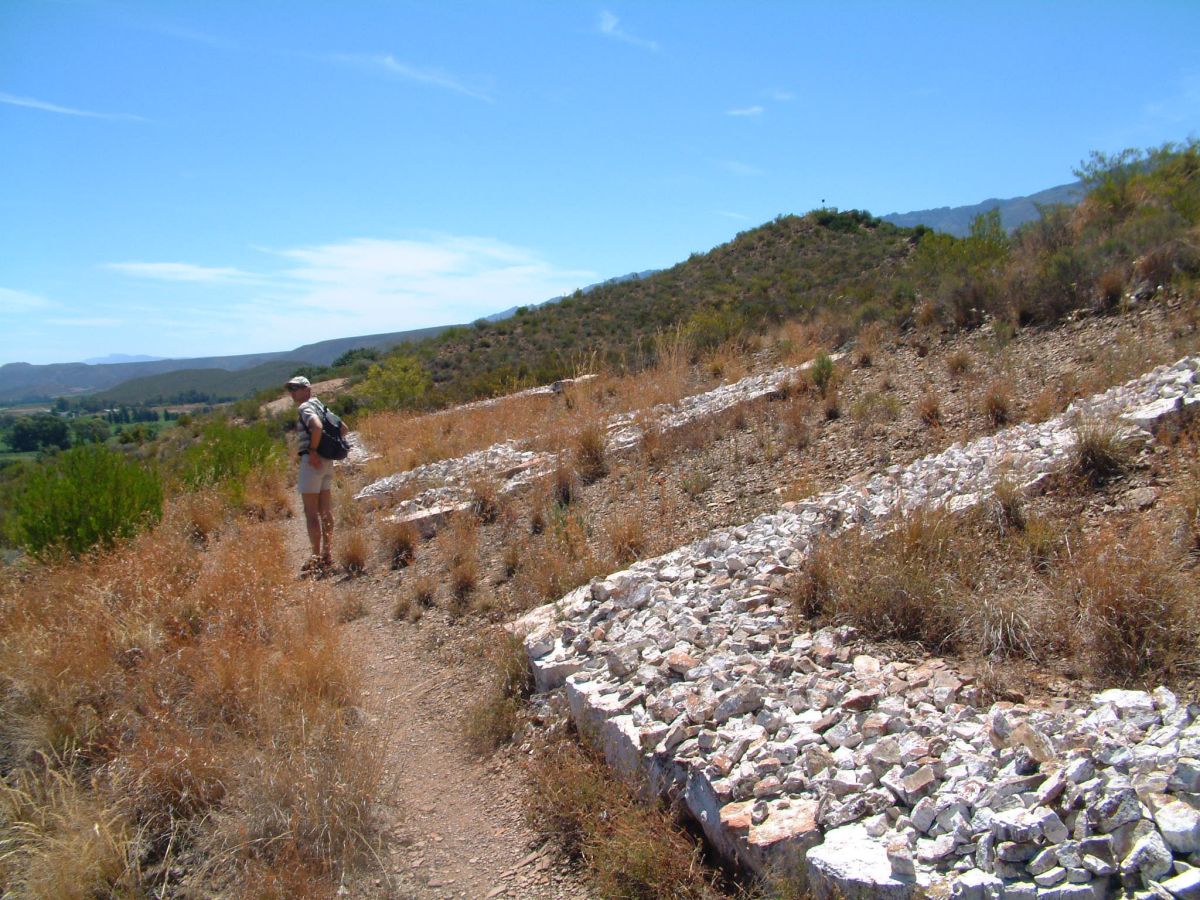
(205, 178)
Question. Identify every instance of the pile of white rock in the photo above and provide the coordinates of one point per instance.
(445, 486)
(806, 753)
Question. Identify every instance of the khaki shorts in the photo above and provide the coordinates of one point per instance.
(314, 481)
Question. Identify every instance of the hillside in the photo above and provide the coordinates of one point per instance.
(1014, 212)
(791, 266)
(199, 385)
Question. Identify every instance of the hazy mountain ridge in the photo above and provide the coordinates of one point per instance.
(25, 381)
(1014, 212)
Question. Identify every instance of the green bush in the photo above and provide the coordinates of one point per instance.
(226, 454)
(82, 498)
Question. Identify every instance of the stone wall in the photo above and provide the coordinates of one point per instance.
(806, 753)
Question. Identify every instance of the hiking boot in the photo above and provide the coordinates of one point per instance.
(314, 565)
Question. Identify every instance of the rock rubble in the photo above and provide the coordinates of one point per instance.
(870, 777)
(444, 486)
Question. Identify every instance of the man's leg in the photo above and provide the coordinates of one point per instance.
(312, 520)
(325, 511)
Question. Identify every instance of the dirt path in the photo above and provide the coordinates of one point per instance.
(452, 823)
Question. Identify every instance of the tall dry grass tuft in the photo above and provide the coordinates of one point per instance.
(60, 839)
(929, 408)
(959, 363)
(494, 717)
(399, 540)
(627, 536)
(354, 549)
(997, 404)
(589, 453)
(1102, 452)
(267, 496)
(1138, 620)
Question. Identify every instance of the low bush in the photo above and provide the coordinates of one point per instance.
(822, 372)
(226, 454)
(80, 499)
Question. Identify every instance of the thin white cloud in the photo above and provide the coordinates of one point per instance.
(12, 301)
(196, 37)
(739, 168)
(610, 26)
(175, 271)
(781, 96)
(1181, 106)
(349, 287)
(444, 279)
(31, 103)
(85, 322)
(437, 78)
(748, 111)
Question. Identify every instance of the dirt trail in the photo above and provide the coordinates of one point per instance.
(452, 823)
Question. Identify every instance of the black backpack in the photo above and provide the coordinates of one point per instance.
(333, 443)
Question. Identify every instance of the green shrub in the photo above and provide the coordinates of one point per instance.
(821, 371)
(226, 454)
(82, 498)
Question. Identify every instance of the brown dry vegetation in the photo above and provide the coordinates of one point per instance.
(177, 714)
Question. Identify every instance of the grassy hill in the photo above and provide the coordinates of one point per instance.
(199, 385)
(824, 260)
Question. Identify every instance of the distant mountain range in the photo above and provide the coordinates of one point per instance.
(119, 358)
(1014, 212)
(21, 382)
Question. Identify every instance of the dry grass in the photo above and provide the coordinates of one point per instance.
(797, 411)
(354, 550)
(1137, 616)
(867, 344)
(929, 408)
(494, 717)
(182, 700)
(959, 363)
(399, 540)
(589, 453)
(1001, 582)
(830, 403)
(424, 591)
(485, 500)
(997, 404)
(267, 496)
(627, 537)
(58, 839)
(631, 848)
(1102, 452)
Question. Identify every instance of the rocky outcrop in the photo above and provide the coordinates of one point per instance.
(868, 777)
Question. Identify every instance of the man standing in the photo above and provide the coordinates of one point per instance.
(316, 477)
